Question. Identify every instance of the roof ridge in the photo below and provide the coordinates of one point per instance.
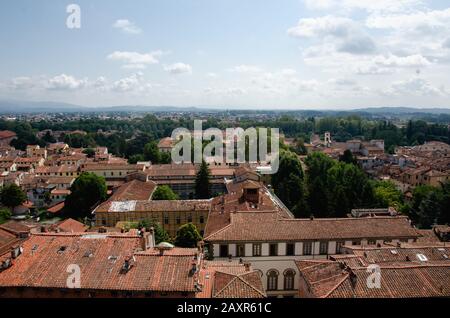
(248, 284)
(347, 275)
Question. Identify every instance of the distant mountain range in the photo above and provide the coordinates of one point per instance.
(17, 107)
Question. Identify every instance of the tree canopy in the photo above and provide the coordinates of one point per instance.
(12, 196)
(161, 235)
(87, 191)
(187, 236)
(202, 182)
(164, 192)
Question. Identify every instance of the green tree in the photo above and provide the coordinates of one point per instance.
(288, 183)
(348, 157)
(387, 194)
(151, 152)
(419, 194)
(161, 235)
(12, 196)
(429, 211)
(48, 138)
(202, 182)
(444, 217)
(89, 152)
(135, 159)
(5, 214)
(164, 192)
(187, 236)
(87, 191)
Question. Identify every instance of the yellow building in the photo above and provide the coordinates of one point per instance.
(170, 214)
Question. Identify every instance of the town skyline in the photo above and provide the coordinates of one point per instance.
(305, 54)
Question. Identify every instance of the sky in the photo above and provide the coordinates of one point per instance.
(254, 54)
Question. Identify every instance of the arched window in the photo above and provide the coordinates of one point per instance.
(289, 276)
(272, 280)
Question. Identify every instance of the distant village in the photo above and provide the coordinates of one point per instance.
(251, 247)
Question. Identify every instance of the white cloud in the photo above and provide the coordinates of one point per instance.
(135, 60)
(415, 86)
(415, 60)
(372, 70)
(127, 26)
(322, 26)
(22, 82)
(178, 68)
(65, 82)
(425, 21)
(367, 5)
(358, 44)
(134, 82)
(446, 44)
(342, 34)
(246, 69)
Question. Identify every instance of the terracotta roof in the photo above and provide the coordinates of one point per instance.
(56, 208)
(246, 285)
(97, 167)
(165, 143)
(101, 257)
(15, 227)
(403, 274)
(404, 254)
(269, 226)
(71, 225)
(7, 240)
(398, 282)
(134, 190)
(7, 134)
(220, 279)
(56, 169)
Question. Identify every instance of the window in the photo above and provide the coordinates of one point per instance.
(272, 280)
(224, 251)
(240, 250)
(256, 249)
(289, 276)
(290, 249)
(339, 246)
(356, 243)
(307, 248)
(202, 219)
(371, 242)
(178, 220)
(166, 219)
(189, 219)
(273, 249)
(323, 250)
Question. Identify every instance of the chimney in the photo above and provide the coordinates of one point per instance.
(193, 268)
(353, 279)
(127, 265)
(148, 239)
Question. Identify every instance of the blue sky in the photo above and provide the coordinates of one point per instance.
(228, 53)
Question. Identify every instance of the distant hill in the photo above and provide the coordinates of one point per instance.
(15, 106)
(402, 110)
